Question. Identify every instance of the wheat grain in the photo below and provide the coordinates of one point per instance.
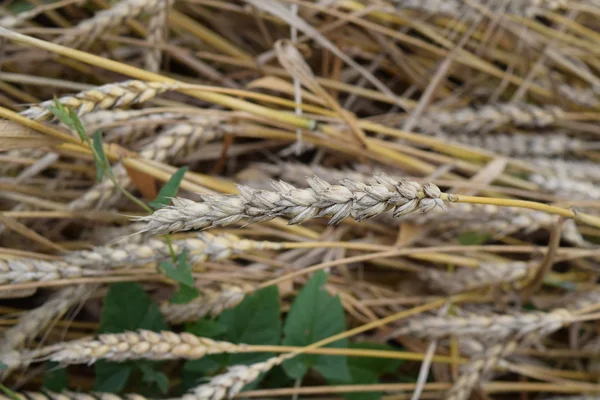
(68, 395)
(487, 274)
(566, 188)
(211, 303)
(34, 321)
(157, 30)
(520, 144)
(493, 327)
(582, 97)
(477, 368)
(348, 199)
(141, 345)
(21, 359)
(458, 8)
(112, 95)
(231, 383)
(89, 30)
(490, 116)
(577, 170)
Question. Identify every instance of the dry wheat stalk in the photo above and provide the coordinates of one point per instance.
(490, 116)
(33, 322)
(87, 31)
(112, 95)
(520, 144)
(566, 188)
(348, 199)
(576, 170)
(211, 303)
(488, 274)
(494, 327)
(231, 383)
(140, 345)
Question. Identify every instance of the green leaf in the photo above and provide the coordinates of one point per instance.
(111, 377)
(60, 112)
(128, 307)
(77, 125)
(315, 315)
(169, 190)
(100, 160)
(151, 376)
(254, 321)
(181, 273)
(55, 378)
(184, 295)
(206, 328)
(3, 366)
(473, 238)
(9, 392)
(366, 370)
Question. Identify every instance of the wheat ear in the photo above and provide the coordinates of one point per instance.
(157, 30)
(89, 30)
(140, 345)
(492, 327)
(232, 382)
(112, 95)
(210, 303)
(490, 116)
(348, 199)
(487, 274)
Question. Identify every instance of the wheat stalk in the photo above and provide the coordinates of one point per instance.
(146, 345)
(112, 95)
(458, 8)
(487, 274)
(90, 29)
(348, 199)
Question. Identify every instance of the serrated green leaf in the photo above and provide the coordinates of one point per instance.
(128, 307)
(473, 238)
(111, 377)
(181, 273)
(254, 321)
(100, 160)
(169, 190)
(206, 328)
(315, 315)
(184, 295)
(55, 377)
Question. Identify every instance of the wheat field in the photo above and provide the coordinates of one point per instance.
(317, 199)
